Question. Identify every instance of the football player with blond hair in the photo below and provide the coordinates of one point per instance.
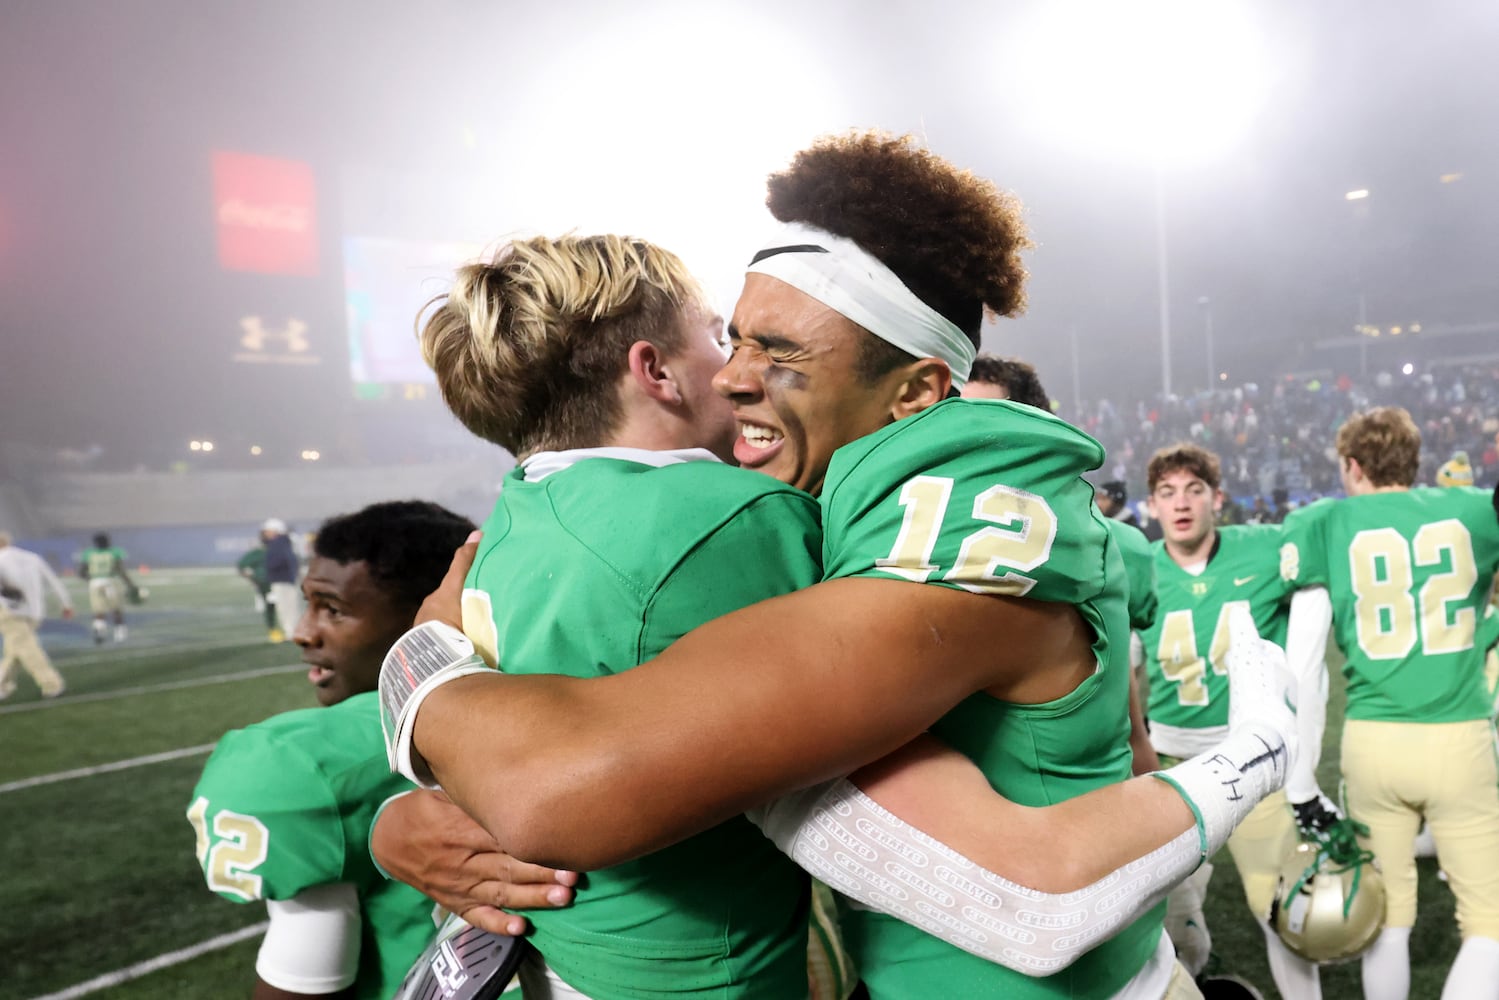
(1409, 570)
(934, 544)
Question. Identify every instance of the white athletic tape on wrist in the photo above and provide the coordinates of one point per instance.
(1224, 785)
(846, 839)
(425, 658)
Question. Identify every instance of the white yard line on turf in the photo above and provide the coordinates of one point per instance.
(36, 706)
(150, 965)
(119, 765)
(107, 657)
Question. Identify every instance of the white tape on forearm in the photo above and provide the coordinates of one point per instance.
(1224, 785)
(846, 839)
(425, 658)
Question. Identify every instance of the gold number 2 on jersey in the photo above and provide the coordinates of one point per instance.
(1027, 528)
(1386, 612)
(230, 862)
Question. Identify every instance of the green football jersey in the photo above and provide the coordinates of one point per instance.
(287, 804)
(1187, 636)
(596, 568)
(988, 496)
(1139, 569)
(99, 564)
(1408, 572)
(254, 561)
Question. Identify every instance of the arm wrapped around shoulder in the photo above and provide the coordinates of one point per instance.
(425, 658)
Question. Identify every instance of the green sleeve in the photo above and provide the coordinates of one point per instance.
(1303, 546)
(270, 819)
(1139, 567)
(770, 547)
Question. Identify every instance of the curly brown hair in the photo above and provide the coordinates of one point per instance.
(1183, 457)
(953, 237)
(1385, 442)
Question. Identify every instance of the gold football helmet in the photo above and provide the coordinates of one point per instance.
(1329, 906)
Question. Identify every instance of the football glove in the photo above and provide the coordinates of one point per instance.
(463, 963)
(1316, 817)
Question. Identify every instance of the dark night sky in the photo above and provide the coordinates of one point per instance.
(447, 120)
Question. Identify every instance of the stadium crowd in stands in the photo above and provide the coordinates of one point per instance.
(1276, 440)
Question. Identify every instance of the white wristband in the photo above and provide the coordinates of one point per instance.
(425, 658)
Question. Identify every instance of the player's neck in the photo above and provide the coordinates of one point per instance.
(1366, 488)
(1184, 555)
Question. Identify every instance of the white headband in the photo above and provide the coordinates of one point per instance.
(842, 276)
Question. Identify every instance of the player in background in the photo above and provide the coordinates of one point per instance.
(1010, 378)
(1408, 571)
(23, 605)
(103, 566)
(281, 568)
(806, 379)
(283, 808)
(1202, 572)
(251, 566)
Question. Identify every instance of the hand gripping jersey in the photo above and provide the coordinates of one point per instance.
(1408, 572)
(286, 804)
(594, 569)
(1187, 634)
(987, 496)
(101, 564)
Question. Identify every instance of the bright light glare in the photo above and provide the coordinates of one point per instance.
(208, 446)
(310, 455)
(1358, 195)
(1407, 368)
(1154, 81)
(255, 449)
(195, 445)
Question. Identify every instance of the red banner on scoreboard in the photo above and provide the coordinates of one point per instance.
(267, 214)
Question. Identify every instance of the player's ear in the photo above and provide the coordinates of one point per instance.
(925, 383)
(648, 373)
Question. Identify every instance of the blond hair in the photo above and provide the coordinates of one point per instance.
(528, 347)
(1385, 442)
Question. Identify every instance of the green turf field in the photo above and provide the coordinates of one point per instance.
(97, 874)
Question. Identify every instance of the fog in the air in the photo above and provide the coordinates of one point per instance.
(218, 220)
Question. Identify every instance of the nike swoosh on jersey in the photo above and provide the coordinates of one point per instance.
(1239, 581)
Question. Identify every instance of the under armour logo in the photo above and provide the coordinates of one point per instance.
(294, 334)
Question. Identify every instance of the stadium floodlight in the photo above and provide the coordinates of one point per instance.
(1158, 82)
(1357, 195)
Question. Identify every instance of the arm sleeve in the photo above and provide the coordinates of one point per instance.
(1306, 645)
(312, 944)
(52, 581)
(846, 839)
